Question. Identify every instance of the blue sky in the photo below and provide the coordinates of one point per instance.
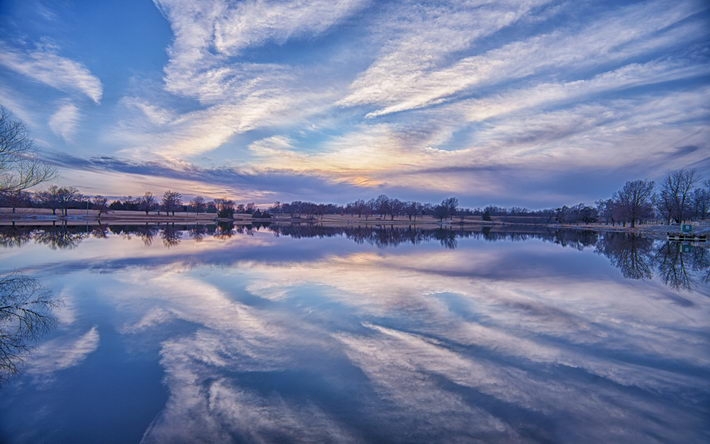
(536, 103)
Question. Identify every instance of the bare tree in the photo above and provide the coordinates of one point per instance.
(675, 199)
(147, 203)
(605, 210)
(19, 166)
(100, 203)
(382, 205)
(634, 199)
(701, 201)
(446, 209)
(225, 208)
(15, 199)
(198, 204)
(58, 197)
(413, 209)
(172, 200)
(396, 208)
(65, 196)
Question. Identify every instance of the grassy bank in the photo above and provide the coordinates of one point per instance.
(31, 216)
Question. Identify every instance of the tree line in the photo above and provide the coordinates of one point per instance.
(61, 199)
(679, 198)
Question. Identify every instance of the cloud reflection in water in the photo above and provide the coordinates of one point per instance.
(276, 339)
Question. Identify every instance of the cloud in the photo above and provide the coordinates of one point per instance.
(65, 120)
(46, 66)
(154, 113)
(237, 96)
(419, 43)
(10, 100)
(399, 80)
(253, 23)
(542, 96)
(106, 174)
(208, 33)
(356, 98)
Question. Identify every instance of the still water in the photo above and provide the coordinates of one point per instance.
(238, 334)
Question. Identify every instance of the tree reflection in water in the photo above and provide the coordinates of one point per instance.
(635, 256)
(673, 261)
(629, 253)
(25, 314)
(198, 232)
(170, 235)
(16, 235)
(61, 236)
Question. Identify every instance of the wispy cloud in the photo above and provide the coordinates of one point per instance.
(156, 114)
(401, 81)
(45, 65)
(65, 120)
(419, 43)
(252, 23)
(208, 32)
(401, 97)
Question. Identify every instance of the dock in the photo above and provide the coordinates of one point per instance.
(687, 237)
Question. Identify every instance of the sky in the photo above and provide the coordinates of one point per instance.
(535, 103)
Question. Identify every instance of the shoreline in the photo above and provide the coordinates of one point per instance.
(42, 217)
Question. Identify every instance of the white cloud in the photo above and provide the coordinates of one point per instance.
(251, 23)
(65, 120)
(419, 43)
(156, 115)
(408, 77)
(236, 96)
(10, 100)
(46, 66)
(207, 33)
(196, 132)
(419, 88)
(545, 94)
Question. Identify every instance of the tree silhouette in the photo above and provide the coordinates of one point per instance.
(19, 166)
(172, 201)
(634, 199)
(675, 200)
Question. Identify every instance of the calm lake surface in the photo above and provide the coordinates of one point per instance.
(221, 334)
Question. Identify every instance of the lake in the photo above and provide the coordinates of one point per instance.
(317, 334)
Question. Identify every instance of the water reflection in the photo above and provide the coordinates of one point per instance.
(25, 315)
(286, 334)
(674, 262)
(170, 235)
(630, 253)
(637, 257)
